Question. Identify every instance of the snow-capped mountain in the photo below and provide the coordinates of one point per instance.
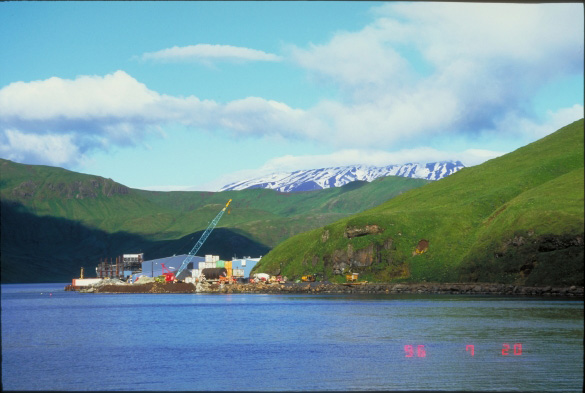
(316, 179)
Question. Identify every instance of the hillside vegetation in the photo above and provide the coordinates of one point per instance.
(516, 219)
(54, 221)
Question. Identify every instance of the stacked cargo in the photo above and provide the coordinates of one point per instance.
(211, 262)
(228, 267)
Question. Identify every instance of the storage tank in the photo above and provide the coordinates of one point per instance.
(214, 273)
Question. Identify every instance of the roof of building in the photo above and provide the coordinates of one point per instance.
(174, 259)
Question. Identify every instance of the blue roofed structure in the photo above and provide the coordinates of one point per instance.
(245, 263)
(153, 268)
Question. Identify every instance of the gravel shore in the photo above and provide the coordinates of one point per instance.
(326, 287)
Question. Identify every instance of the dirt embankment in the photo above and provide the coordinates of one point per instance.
(323, 287)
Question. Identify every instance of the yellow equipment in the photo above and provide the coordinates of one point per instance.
(351, 277)
(308, 278)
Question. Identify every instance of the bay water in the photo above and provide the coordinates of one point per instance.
(70, 341)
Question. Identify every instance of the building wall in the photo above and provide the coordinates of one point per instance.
(153, 268)
(249, 262)
(85, 282)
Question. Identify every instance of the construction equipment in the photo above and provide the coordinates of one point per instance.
(169, 276)
(227, 280)
(308, 278)
(277, 279)
(201, 240)
(351, 277)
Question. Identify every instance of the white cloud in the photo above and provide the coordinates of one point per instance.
(116, 109)
(375, 157)
(42, 149)
(530, 130)
(354, 60)
(208, 52)
(480, 62)
(119, 106)
(388, 122)
(86, 97)
(481, 65)
(524, 33)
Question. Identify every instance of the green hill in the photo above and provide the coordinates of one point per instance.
(515, 219)
(54, 221)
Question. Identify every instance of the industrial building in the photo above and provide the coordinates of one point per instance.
(132, 266)
(157, 267)
(246, 263)
(185, 267)
(239, 268)
(124, 266)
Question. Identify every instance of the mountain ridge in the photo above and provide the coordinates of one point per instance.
(322, 178)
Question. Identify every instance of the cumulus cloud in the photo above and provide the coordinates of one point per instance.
(530, 130)
(75, 116)
(50, 149)
(208, 53)
(113, 95)
(423, 68)
(95, 112)
(375, 157)
(418, 71)
(117, 106)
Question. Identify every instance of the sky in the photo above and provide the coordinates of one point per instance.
(195, 95)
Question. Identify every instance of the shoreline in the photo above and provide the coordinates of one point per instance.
(331, 288)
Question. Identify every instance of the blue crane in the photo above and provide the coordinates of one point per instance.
(201, 240)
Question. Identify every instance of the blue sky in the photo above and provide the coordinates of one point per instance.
(195, 95)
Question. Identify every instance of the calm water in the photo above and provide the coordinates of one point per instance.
(56, 340)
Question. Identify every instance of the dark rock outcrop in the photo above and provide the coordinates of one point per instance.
(352, 232)
(348, 258)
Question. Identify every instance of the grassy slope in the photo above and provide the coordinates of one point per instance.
(468, 219)
(270, 217)
(265, 215)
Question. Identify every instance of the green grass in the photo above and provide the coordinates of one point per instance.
(467, 217)
(267, 216)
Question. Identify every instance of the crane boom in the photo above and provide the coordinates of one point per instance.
(202, 240)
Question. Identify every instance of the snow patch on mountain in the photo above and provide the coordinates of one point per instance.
(317, 179)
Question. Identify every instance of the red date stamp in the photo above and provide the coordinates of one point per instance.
(420, 351)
